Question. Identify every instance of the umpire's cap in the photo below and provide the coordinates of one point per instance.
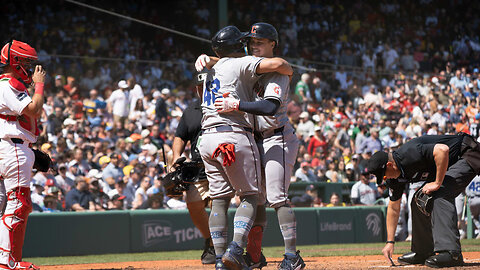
(264, 30)
(377, 165)
(228, 40)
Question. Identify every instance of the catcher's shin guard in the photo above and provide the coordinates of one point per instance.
(19, 202)
(254, 244)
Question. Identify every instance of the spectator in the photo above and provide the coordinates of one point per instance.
(305, 173)
(308, 199)
(118, 103)
(335, 200)
(117, 202)
(364, 192)
(306, 127)
(79, 199)
(302, 90)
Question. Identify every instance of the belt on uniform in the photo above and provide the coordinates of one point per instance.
(272, 132)
(226, 128)
(8, 117)
(15, 140)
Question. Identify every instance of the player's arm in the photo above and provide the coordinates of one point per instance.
(274, 64)
(34, 109)
(205, 61)
(393, 213)
(178, 147)
(440, 154)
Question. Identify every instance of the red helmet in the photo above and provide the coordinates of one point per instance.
(19, 56)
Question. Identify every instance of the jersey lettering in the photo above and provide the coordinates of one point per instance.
(211, 88)
(21, 96)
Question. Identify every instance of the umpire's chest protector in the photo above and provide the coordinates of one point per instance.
(471, 153)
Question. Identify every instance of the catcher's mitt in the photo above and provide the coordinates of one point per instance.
(424, 202)
(42, 161)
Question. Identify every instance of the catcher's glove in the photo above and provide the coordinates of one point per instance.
(424, 202)
(43, 162)
(178, 181)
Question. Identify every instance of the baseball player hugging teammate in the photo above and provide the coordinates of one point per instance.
(18, 118)
(227, 146)
(272, 130)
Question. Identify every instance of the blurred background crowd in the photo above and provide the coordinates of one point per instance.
(375, 74)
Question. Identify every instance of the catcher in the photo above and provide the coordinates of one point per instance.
(18, 119)
(196, 196)
(447, 163)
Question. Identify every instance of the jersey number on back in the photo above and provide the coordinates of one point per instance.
(211, 88)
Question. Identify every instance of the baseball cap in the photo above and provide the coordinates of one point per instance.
(304, 164)
(45, 147)
(349, 166)
(49, 182)
(310, 187)
(304, 114)
(104, 160)
(377, 165)
(475, 70)
(123, 84)
(165, 91)
(156, 94)
(118, 197)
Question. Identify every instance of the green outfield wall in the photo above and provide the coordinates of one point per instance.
(68, 233)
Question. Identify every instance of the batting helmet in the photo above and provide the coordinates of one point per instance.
(20, 57)
(264, 30)
(228, 40)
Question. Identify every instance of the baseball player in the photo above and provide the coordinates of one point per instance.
(18, 118)
(447, 163)
(227, 146)
(188, 130)
(274, 129)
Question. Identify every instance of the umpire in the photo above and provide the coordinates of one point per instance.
(447, 163)
(189, 129)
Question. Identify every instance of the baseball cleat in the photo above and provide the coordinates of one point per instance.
(233, 257)
(208, 255)
(20, 266)
(219, 264)
(292, 262)
(260, 264)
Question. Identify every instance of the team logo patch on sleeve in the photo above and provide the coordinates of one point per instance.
(21, 96)
(276, 89)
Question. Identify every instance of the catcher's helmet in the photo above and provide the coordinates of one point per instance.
(20, 57)
(264, 30)
(228, 40)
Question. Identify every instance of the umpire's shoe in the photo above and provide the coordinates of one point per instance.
(445, 259)
(233, 257)
(292, 262)
(413, 258)
(261, 263)
(208, 255)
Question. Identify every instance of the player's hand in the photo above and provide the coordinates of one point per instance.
(388, 251)
(201, 62)
(429, 188)
(227, 104)
(39, 74)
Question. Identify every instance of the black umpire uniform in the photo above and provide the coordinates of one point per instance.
(415, 161)
(189, 129)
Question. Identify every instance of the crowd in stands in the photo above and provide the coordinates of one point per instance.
(378, 74)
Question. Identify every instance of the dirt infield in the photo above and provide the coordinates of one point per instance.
(472, 260)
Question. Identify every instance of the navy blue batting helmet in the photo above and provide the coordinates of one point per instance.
(264, 30)
(228, 40)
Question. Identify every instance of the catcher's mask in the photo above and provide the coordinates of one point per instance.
(21, 57)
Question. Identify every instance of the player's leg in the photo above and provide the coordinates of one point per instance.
(278, 171)
(254, 257)
(446, 236)
(196, 208)
(220, 192)
(244, 176)
(16, 169)
(3, 197)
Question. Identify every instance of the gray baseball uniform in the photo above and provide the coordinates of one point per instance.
(276, 131)
(473, 194)
(235, 76)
